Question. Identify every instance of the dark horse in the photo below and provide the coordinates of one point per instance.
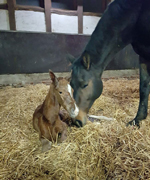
(124, 22)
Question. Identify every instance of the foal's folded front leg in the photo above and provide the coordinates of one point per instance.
(46, 144)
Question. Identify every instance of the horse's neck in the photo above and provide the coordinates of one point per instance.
(114, 31)
(51, 105)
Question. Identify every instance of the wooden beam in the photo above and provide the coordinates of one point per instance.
(11, 11)
(4, 6)
(29, 8)
(73, 13)
(55, 11)
(80, 16)
(92, 14)
(47, 7)
(63, 12)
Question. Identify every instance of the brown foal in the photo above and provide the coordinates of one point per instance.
(46, 118)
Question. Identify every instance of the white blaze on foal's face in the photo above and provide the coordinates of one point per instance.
(68, 102)
(70, 90)
(74, 112)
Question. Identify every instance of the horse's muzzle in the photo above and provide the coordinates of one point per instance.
(78, 123)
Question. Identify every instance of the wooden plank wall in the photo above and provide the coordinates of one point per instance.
(27, 55)
(11, 9)
(80, 16)
(46, 7)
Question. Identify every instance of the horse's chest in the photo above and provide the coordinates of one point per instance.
(141, 42)
(142, 29)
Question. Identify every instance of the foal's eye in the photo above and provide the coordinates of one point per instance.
(60, 92)
(85, 86)
(59, 135)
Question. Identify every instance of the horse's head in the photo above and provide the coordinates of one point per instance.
(87, 85)
(64, 94)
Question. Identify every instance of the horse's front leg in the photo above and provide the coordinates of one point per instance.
(144, 93)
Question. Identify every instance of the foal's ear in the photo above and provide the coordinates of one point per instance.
(86, 61)
(53, 78)
(68, 78)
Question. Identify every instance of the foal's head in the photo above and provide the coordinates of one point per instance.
(64, 94)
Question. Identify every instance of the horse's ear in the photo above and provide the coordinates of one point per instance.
(70, 58)
(53, 78)
(86, 61)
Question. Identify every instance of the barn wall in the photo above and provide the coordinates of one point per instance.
(3, 1)
(22, 52)
(30, 21)
(35, 21)
(31, 50)
(4, 20)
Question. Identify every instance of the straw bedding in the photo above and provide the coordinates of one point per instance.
(100, 150)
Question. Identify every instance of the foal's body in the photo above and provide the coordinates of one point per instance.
(124, 22)
(46, 118)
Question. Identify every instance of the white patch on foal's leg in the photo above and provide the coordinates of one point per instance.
(75, 112)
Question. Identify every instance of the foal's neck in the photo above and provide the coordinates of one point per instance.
(51, 105)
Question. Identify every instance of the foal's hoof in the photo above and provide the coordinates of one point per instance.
(78, 123)
(133, 123)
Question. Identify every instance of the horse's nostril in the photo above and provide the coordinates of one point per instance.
(73, 110)
(78, 123)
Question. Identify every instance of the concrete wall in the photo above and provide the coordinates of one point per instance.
(4, 20)
(35, 21)
(27, 52)
(30, 21)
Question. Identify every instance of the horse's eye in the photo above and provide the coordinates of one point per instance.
(60, 92)
(85, 86)
(59, 135)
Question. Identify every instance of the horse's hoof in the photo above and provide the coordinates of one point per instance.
(133, 123)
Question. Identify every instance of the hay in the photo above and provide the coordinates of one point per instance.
(105, 150)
